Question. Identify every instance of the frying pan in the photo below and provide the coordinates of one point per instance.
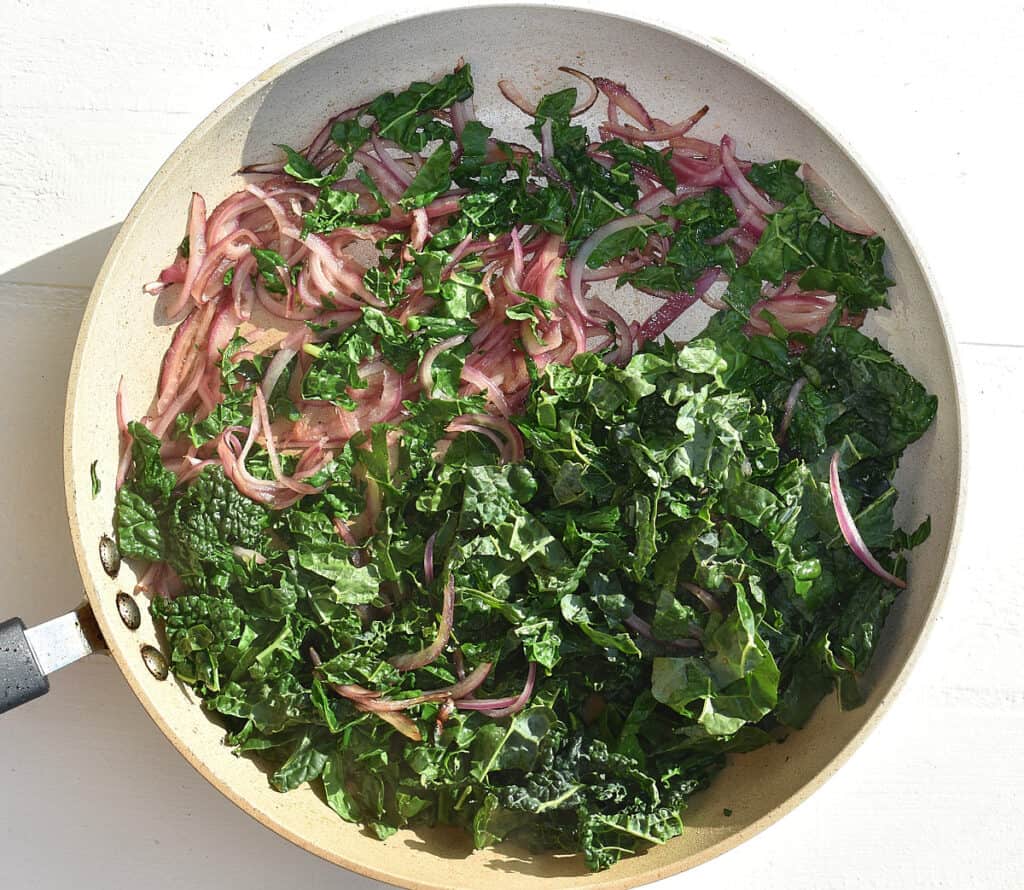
(119, 337)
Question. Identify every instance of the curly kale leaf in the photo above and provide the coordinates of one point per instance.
(150, 478)
(139, 534)
(205, 523)
(200, 629)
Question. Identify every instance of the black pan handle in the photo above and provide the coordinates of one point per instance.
(21, 677)
(28, 655)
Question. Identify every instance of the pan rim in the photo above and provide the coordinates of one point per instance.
(957, 409)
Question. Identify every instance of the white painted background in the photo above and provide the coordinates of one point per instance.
(94, 97)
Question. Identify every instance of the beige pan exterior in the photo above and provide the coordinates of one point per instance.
(673, 75)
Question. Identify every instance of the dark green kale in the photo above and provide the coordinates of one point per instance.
(689, 254)
(662, 573)
(829, 258)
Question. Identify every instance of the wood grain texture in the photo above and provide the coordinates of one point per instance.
(92, 101)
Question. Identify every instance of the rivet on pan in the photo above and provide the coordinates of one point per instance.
(155, 662)
(128, 609)
(110, 556)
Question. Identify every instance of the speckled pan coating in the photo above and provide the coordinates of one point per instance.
(673, 75)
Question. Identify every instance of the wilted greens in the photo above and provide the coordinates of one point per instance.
(660, 581)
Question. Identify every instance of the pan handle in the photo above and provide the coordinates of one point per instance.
(28, 655)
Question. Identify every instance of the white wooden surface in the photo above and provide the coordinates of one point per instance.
(93, 98)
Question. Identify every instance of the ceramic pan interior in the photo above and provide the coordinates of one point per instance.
(673, 75)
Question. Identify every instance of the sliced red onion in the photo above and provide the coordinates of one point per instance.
(196, 252)
(428, 558)
(697, 149)
(579, 262)
(192, 467)
(399, 172)
(456, 691)
(515, 450)
(429, 357)
(122, 423)
(587, 101)
(621, 97)
(462, 113)
(752, 220)
(551, 338)
(285, 226)
(163, 421)
(248, 555)
(498, 442)
(126, 438)
(360, 697)
(787, 414)
(623, 333)
(744, 242)
(259, 409)
(231, 248)
(660, 131)
(414, 660)
(344, 532)
(180, 359)
(849, 528)
(662, 318)
(653, 200)
(503, 707)
(268, 167)
(829, 203)
(442, 206)
(744, 185)
(636, 623)
(477, 378)
(517, 257)
(511, 92)
(698, 174)
(802, 312)
(259, 490)
(402, 722)
(420, 229)
(275, 369)
(547, 145)
(708, 600)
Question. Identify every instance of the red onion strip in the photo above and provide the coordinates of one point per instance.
(259, 408)
(741, 182)
(623, 99)
(196, 252)
(429, 357)
(579, 262)
(587, 102)
(402, 722)
(660, 132)
(547, 145)
(636, 623)
(849, 528)
(456, 691)
(829, 203)
(477, 378)
(428, 558)
(413, 660)
(502, 707)
(398, 172)
(511, 92)
(708, 601)
(787, 414)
